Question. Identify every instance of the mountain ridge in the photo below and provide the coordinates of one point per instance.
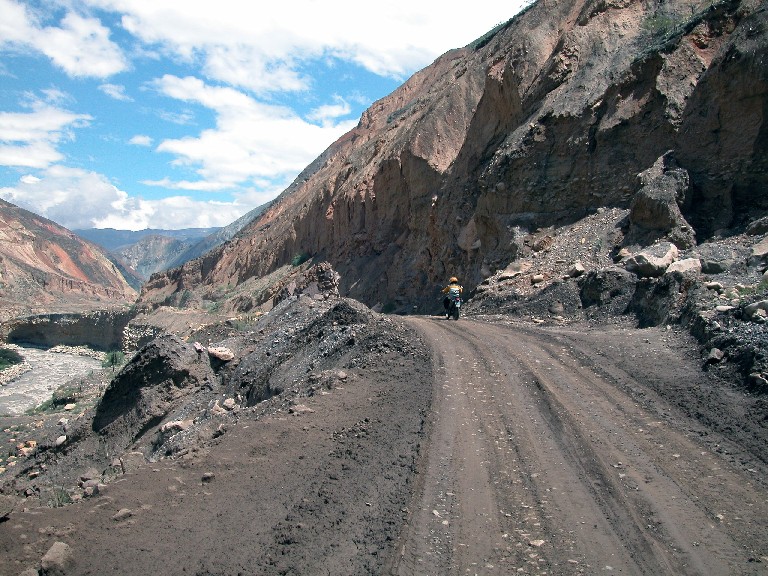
(548, 118)
(155, 250)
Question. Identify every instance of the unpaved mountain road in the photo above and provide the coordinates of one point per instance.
(484, 446)
(557, 451)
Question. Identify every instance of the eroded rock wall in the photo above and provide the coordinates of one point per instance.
(101, 330)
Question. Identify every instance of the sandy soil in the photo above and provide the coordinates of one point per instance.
(509, 449)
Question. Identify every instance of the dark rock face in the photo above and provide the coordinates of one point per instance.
(537, 124)
(159, 376)
(612, 287)
(101, 330)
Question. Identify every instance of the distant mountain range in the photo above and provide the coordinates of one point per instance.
(155, 250)
(116, 240)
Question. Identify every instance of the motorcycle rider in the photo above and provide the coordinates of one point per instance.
(453, 283)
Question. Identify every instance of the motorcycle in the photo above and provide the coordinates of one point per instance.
(454, 305)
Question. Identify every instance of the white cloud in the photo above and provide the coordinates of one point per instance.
(174, 212)
(78, 198)
(259, 46)
(186, 185)
(15, 25)
(29, 139)
(325, 114)
(116, 91)
(33, 155)
(72, 197)
(251, 140)
(141, 140)
(80, 46)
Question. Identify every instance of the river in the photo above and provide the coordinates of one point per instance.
(49, 370)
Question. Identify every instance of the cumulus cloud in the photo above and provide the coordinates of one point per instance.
(79, 45)
(251, 139)
(77, 198)
(259, 46)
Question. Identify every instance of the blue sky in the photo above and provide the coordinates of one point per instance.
(135, 114)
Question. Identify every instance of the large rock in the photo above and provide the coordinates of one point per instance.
(58, 561)
(759, 254)
(718, 258)
(8, 504)
(610, 287)
(655, 210)
(653, 261)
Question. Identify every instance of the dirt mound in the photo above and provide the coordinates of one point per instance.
(157, 379)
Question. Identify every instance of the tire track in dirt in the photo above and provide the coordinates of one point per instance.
(540, 461)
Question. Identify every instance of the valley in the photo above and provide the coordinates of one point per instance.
(44, 373)
(293, 401)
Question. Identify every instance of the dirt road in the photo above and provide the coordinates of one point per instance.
(567, 452)
(456, 448)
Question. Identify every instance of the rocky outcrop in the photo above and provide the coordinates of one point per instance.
(548, 117)
(655, 210)
(101, 330)
(157, 379)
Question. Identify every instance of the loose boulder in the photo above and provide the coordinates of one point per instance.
(611, 288)
(58, 561)
(655, 211)
(653, 261)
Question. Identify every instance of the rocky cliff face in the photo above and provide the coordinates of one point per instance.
(44, 267)
(538, 124)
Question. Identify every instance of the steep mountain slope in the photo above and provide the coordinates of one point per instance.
(44, 268)
(539, 123)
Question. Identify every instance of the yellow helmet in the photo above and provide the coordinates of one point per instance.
(453, 279)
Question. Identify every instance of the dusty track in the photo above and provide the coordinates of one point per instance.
(509, 449)
(556, 452)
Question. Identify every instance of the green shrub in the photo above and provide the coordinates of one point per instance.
(9, 357)
(112, 359)
(184, 298)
